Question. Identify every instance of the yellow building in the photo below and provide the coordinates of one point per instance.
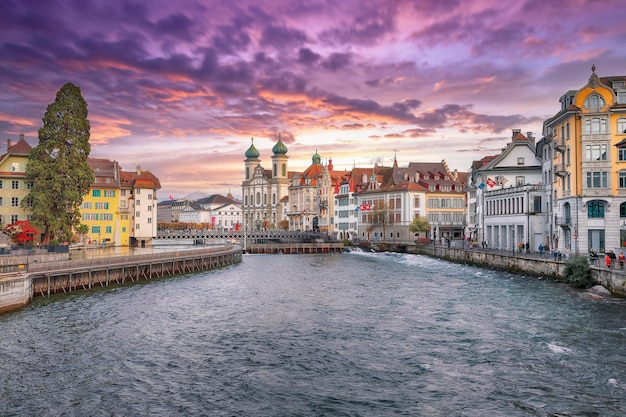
(13, 184)
(100, 209)
(588, 136)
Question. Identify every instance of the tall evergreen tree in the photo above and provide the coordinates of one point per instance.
(58, 167)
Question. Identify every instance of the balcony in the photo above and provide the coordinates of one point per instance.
(561, 173)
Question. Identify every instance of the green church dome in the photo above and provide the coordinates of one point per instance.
(279, 148)
(252, 152)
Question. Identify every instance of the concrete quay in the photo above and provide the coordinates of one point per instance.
(613, 280)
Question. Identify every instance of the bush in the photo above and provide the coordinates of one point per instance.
(577, 273)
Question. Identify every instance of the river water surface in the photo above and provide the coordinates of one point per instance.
(352, 334)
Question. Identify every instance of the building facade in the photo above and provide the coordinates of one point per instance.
(588, 136)
(14, 186)
(262, 189)
(138, 200)
(107, 225)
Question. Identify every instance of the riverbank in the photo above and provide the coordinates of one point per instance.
(44, 279)
(613, 280)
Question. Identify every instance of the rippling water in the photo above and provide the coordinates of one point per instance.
(319, 335)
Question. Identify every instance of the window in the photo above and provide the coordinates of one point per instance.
(284, 170)
(106, 216)
(15, 202)
(595, 209)
(597, 179)
(258, 198)
(621, 97)
(519, 181)
(123, 193)
(621, 153)
(137, 214)
(109, 193)
(594, 102)
(137, 202)
(108, 229)
(621, 125)
(123, 229)
(622, 210)
(622, 179)
(520, 161)
(0, 183)
(101, 206)
(0, 201)
(137, 226)
(15, 185)
(149, 208)
(95, 193)
(416, 202)
(95, 229)
(596, 152)
(149, 219)
(138, 191)
(87, 205)
(567, 213)
(595, 125)
(14, 218)
(537, 204)
(149, 196)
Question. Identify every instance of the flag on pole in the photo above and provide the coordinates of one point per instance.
(481, 186)
(490, 182)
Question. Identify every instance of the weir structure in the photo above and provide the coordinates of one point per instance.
(45, 279)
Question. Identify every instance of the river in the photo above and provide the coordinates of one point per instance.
(353, 334)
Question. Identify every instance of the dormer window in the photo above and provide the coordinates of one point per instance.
(594, 102)
(520, 161)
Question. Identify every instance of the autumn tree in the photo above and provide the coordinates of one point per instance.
(21, 232)
(58, 167)
(283, 225)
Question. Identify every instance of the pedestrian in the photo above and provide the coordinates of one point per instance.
(620, 259)
(613, 258)
(607, 260)
(541, 250)
(527, 247)
(567, 253)
(555, 254)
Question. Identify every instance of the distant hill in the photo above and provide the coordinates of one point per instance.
(195, 196)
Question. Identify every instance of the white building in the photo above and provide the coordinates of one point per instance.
(510, 197)
(262, 189)
(139, 196)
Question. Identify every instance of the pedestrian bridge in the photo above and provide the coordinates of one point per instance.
(207, 236)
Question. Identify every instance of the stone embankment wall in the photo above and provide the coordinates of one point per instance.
(15, 291)
(614, 280)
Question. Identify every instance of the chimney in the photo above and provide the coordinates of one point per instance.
(8, 144)
(515, 132)
(21, 136)
(530, 137)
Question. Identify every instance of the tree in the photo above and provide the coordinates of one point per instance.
(380, 217)
(58, 167)
(21, 232)
(419, 224)
(283, 225)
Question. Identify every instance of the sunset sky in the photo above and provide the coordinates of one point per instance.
(180, 87)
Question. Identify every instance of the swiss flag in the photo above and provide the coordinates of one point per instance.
(490, 182)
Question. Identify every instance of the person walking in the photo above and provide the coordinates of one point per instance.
(613, 258)
(620, 260)
(607, 260)
(541, 250)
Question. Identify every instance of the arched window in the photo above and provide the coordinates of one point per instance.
(258, 198)
(264, 198)
(567, 213)
(284, 170)
(273, 198)
(595, 209)
(275, 170)
(594, 102)
(247, 173)
(245, 200)
(622, 210)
